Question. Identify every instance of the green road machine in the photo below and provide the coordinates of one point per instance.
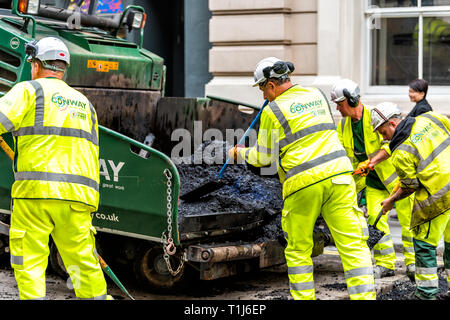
(138, 224)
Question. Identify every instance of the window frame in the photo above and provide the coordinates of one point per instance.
(419, 12)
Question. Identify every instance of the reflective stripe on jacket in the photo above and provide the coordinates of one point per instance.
(373, 143)
(422, 163)
(56, 141)
(297, 131)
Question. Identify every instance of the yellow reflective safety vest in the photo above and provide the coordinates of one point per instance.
(55, 131)
(422, 163)
(298, 133)
(373, 143)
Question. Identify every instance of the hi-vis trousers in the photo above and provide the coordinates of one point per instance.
(70, 225)
(426, 240)
(383, 251)
(335, 199)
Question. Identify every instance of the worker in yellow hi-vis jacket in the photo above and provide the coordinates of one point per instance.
(56, 172)
(298, 133)
(420, 149)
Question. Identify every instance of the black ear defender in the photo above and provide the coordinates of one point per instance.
(279, 67)
(290, 65)
(353, 101)
(31, 49)
(266, 72)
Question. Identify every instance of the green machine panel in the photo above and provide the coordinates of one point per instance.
(133, 188)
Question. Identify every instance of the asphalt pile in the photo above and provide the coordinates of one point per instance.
(403, 289)
(244, 190)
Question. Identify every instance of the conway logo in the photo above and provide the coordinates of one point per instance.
(417, 138)
(427, 132)
(302, 107)
(64, 103)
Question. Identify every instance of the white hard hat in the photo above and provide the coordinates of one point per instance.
(271, 68)
(48, 48)
(338, 92)
(382, 113)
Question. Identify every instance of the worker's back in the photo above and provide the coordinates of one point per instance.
(310, 150)
(423, 159)
(56, 142)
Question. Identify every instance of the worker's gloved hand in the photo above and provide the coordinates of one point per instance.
(363, 168)
(234, 152)
(370, 166)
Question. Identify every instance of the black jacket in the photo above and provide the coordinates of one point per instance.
(421, 107)
(402, 132)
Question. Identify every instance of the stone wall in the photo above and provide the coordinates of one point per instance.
(323, 38)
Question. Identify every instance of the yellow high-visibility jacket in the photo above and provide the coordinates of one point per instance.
(55, 132)
(298, 133)
(373, 143)
(422, 163)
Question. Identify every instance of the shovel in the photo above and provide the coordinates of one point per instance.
(214, 185)
(375, 234)
(4, 229)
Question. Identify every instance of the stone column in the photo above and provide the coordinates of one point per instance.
(244, 32)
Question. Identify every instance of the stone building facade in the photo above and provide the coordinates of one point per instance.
(373, 43)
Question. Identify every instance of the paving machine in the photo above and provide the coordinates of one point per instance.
(137, 221)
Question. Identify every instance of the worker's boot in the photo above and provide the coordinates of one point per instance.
(444, 296)
(416, 295)
(382, 272)
(410, 271)
(411, 296)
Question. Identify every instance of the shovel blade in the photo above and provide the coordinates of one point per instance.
(201, 191)
(375, 235)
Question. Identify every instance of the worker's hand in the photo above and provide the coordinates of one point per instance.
(387, 204)
(363, 168)
(234, 152)
(371, 165)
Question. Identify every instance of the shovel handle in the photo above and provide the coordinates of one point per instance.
(397, 186)
(266, 102)
(7, 149)
(102, 262)
(378, 218)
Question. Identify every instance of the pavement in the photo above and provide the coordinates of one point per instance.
(268, 284)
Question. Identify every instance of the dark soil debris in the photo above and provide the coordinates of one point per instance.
(403, 289)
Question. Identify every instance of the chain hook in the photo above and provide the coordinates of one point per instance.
(169, 247)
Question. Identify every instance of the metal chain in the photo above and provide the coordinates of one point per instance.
(168, 245)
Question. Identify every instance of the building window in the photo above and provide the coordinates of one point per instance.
(408, 39)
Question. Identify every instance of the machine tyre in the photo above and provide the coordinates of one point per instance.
(152, 273)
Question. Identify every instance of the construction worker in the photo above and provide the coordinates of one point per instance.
(56, 171)
(420, 152)
(298, 133)
(366, 150)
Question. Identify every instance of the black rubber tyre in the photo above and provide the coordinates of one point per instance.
(152, 273)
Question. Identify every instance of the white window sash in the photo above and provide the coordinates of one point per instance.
(400, 12)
